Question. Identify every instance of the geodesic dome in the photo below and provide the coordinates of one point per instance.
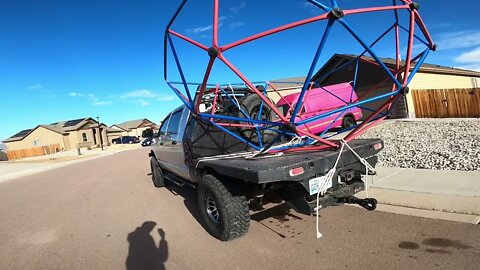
(269, 120)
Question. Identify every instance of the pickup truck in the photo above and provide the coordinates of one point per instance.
(191, 152)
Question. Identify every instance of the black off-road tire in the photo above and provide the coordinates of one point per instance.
(233, 212)
(158, 178)
(250, 104)
(348, 121)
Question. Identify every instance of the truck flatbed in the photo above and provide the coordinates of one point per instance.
(267, 169)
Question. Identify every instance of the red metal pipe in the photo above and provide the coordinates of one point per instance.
(353, 133)
(204, 84)
(410, 47)
(215, 23)
(363, 10)
(273, 31)
(424, 29)
(298, 149)
(203, 47)
(215, 101)
(267, 101)
(253, 88)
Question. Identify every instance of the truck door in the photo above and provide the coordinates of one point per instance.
(172, 151)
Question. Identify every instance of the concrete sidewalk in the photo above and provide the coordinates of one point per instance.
(449, 195)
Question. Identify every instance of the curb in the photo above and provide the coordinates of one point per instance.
(415, 212)
(436, 206)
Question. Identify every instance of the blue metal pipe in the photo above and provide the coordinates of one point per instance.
(175, 90)
(235, 136)
(418, 65)
(225, 117)
(179, 67)
(373, 54)
(320, 5)
(312, 67)
(165, 38)
(417, 37)
(354, 86)
(393, 93)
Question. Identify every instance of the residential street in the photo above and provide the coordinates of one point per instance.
(89, 215)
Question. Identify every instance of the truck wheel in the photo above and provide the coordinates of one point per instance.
(225, 214)
(348, 121)
(157, 175)
(250, 104)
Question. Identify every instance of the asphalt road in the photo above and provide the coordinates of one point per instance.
(92, 215)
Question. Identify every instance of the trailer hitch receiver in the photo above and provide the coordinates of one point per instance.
(368, 203)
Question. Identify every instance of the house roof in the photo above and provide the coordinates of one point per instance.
(116, 128)
(24, 133)
(62, 127)
(134, 123)
(337, 59)
(288, 83)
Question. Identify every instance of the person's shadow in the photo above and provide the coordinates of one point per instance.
(143, 253)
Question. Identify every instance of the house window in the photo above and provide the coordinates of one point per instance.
(36, 143)
(84, 137)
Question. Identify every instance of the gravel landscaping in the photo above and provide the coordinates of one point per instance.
(430, 144)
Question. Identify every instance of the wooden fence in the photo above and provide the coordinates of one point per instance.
(444, 103)
(33, 152)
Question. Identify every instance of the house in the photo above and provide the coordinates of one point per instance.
(3, 152)
(131, 128)
(435, 91)
(71, 134)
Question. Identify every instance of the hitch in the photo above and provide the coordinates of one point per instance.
(368, 203)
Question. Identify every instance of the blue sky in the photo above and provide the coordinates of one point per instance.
(68, 59)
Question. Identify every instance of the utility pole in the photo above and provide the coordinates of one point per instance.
(100, 132)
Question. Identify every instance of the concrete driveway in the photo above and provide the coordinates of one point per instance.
(105, 214)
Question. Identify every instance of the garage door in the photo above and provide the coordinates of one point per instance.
(444, 103)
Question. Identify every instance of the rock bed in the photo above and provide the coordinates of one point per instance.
(430, 144)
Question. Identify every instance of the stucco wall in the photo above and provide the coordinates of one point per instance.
(45, 137)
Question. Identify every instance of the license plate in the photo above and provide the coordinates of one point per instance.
(314, 183)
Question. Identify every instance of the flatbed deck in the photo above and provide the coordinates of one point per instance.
(267, 169)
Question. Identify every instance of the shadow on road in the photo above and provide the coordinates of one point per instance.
(143, 253)
(190, 199)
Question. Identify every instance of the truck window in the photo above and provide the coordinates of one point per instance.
(163, 128)
(172, 128)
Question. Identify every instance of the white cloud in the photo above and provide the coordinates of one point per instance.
(35, 87)
(469, 60)
(201, 29)
(141, 102)
(166, 98)
(75, 94)
(469, 57)
(458, 39)
(236, 24)
(101, 103)
(94, 100)
(240, 6)
(140, 93)
(474, 67)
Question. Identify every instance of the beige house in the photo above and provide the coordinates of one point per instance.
(130, 128)
(83, 132)
(435, 91)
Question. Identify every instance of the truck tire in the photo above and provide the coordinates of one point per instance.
(158, 178)
(250, 104)
(348, 121)
(225, 214)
